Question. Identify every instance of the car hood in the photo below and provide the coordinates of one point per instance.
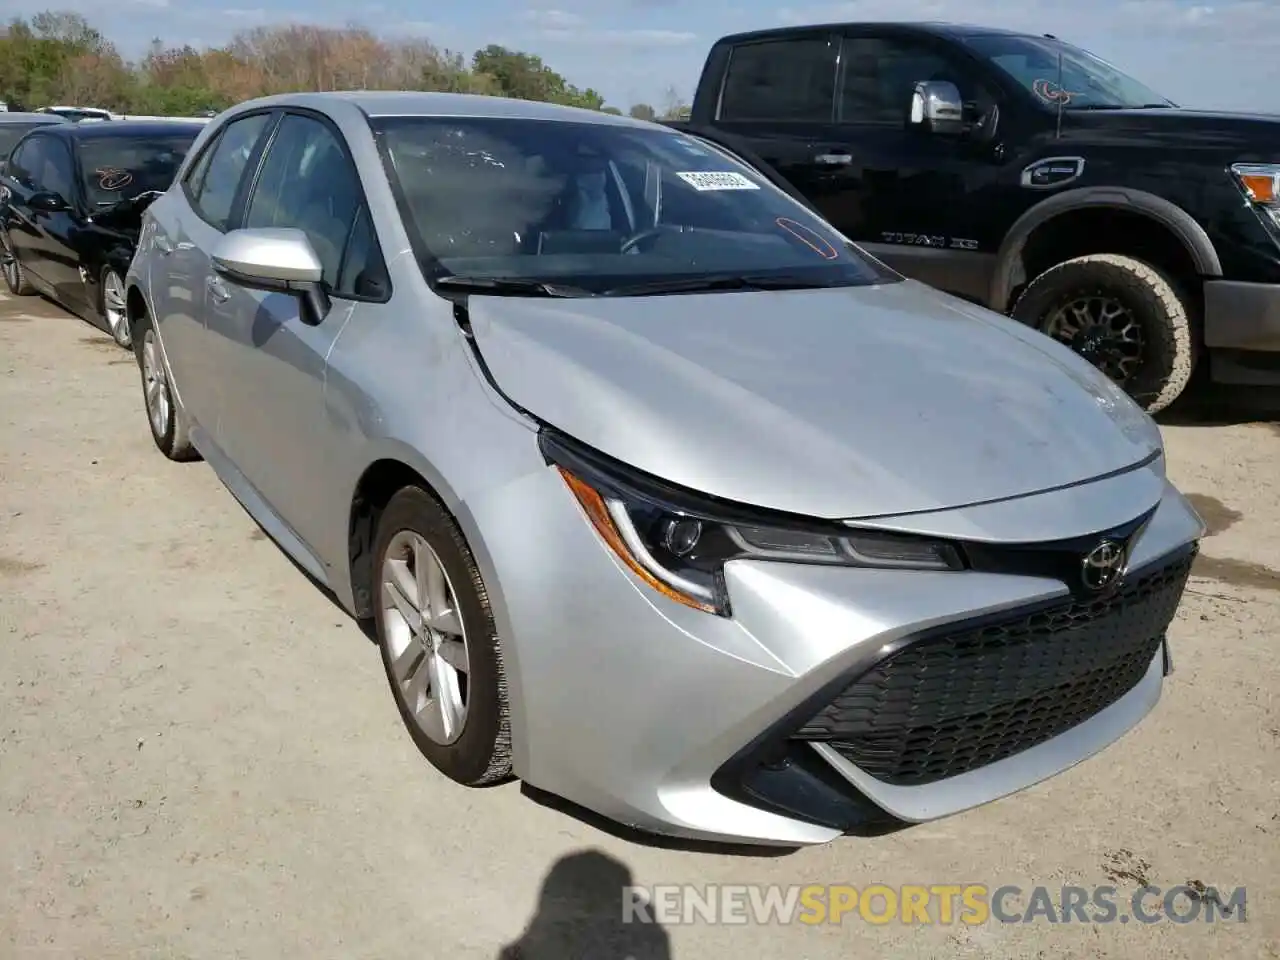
(1238, 133)
(836, 403)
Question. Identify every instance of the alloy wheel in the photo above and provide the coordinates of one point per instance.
(1102, 330)
(155, 386)
(10, 263)
(425, 638)
(114, 307)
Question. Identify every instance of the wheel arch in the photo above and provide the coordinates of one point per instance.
(1183, 239)
(135, 304)
(393, 467)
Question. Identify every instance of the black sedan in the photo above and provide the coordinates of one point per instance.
(71, 203)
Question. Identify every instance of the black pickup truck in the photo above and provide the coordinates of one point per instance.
(1025, 174)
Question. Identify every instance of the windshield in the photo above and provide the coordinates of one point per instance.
(120, 168)
(596, 206)
(1088, 82)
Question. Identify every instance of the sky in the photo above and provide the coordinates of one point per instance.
(1210, 55)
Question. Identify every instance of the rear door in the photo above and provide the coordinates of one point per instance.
(187, 223)
(778, 98)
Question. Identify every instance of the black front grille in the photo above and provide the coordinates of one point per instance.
(948, 704)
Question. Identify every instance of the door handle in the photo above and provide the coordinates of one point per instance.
(217, 290)
(163, 244)
(834, 159)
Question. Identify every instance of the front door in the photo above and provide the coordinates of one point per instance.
(274, 425)
(911, 197)
(187, 224)
(44, 240)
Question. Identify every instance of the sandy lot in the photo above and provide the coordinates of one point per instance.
(199, 756)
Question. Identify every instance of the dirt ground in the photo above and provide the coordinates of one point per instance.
(199, 756)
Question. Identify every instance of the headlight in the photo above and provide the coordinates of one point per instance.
(678, 542)
(1261, 185)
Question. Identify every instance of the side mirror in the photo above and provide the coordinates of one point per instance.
(936, 107)
(277, 259)
(48, 201)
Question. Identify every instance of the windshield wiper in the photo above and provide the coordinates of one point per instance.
(732, 281)
(509, 286)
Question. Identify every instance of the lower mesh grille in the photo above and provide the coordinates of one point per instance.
(946, 705)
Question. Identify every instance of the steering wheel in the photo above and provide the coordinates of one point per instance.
(632, 242)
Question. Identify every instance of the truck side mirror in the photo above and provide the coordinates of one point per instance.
(936, 107)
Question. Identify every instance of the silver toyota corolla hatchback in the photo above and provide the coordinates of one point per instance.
(662, 495)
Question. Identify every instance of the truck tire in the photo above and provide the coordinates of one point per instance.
(1121, 314)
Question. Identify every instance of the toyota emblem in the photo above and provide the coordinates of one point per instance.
(1103, 566)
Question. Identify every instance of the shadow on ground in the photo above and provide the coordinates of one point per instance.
(1213, 405)
(581, 916)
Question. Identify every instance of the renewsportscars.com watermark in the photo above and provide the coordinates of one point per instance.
(936, 904)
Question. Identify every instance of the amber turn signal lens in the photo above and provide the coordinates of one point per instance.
(593, 506)
(1260, 187)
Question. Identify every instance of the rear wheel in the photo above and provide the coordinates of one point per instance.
(168, 427)
(1121, 314)
(113, 309)
(15, 278)
(439, 644)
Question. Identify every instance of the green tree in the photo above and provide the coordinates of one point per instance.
(642, 111)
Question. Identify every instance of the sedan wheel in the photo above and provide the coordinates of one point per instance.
(439, 644)
(15, 277)
(426, 640)
(114, 308)
(155, 386)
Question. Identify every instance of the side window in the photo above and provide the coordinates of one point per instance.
(363, 274)
(34, 153)
(880, 75)
(215, 190)
(15, 167)
(308, 182)
(59, 170)
(781, 80)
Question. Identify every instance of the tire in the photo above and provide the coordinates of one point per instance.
(168, 425)
(112, 308)
(1158, 365)
(15, 277)
(477, 752)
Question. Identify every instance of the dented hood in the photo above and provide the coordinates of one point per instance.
(836, 403)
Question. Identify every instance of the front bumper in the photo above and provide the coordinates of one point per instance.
(670, 720)
(1241, 316)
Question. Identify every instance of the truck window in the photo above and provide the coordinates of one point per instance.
(791, 79)
(880, 74)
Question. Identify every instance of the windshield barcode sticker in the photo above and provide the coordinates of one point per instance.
(717, 181)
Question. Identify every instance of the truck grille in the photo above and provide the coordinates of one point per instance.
(945, 705)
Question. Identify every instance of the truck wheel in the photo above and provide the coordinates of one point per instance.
(1123, 316)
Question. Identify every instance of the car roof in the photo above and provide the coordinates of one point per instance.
(113, 129)
(413, 103)
(938, 28)
(17, 116)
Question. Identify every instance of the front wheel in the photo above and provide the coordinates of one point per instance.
(15, 277)
(1121, 314)
(439, 644)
